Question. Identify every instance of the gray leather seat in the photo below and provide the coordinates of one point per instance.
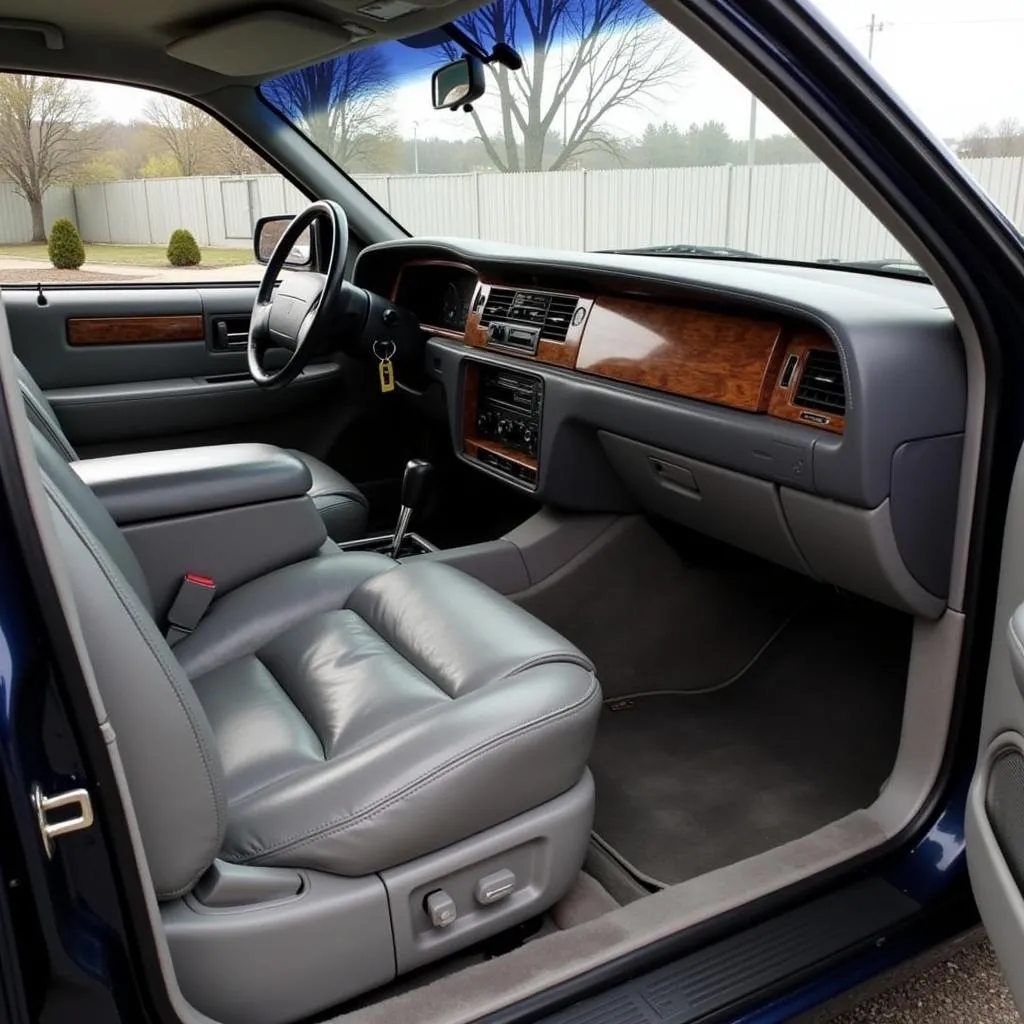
(344, 714)
(342, 506)
(367, 713)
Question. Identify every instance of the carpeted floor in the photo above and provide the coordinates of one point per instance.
(653, 620)
(690, 782)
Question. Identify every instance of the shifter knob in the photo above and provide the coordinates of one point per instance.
(414, 486)
(414, 482)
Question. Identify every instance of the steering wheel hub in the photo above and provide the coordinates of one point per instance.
(295, 314)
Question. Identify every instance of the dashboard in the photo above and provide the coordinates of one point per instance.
(810, 415)
(439, 294)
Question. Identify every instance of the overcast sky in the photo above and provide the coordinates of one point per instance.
(956, 63)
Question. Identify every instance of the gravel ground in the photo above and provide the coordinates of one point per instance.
(959, 984)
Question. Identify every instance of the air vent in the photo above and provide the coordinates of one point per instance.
(551, 313)
(821, 383)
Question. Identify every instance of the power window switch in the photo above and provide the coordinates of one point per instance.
(440, 908)
(494, 888)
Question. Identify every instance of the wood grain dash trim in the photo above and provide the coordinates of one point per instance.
(475, 444)
(712, 357)
(781, 404)
(133, 330)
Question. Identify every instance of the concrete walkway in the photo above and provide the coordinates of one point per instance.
(137, 275)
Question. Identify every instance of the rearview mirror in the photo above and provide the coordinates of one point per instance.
(458, 83)
(268, 233)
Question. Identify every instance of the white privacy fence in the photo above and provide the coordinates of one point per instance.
(795, 211)
(218, 211)
(16, 218)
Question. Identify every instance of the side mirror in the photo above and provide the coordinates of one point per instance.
(268, 233)
(458, 83)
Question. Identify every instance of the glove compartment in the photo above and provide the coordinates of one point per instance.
(732, 507)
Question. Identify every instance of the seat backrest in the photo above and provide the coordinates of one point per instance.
(41, 414)
(165, 740)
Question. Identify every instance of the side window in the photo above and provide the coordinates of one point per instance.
(123, 185)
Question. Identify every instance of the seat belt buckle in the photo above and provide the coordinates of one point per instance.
(189, 606)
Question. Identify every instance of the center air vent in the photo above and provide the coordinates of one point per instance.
(821, 383)
(551, 313)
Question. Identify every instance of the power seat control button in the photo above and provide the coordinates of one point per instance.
(440, 908)
(494, 888)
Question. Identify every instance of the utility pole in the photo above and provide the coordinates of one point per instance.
(876, 25)
(415, 147)
(752, 134)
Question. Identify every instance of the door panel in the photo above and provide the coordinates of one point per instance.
(105, 413)
(130, 368)
(40, 334)
(995, 808)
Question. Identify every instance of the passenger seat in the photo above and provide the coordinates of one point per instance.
(351, 768)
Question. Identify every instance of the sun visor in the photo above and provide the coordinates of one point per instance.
(261, 43)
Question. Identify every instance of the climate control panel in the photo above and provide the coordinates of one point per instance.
(508, 409)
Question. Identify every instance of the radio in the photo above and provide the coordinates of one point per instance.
(509, 408)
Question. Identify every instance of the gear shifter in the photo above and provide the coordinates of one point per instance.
(414, 486)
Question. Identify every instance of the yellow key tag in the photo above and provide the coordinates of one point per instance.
(384, 349)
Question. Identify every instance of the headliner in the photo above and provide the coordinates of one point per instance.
(126, 40)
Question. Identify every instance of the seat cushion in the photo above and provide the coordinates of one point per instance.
(340, 503)
(368, 712)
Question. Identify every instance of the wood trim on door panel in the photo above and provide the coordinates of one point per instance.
(712, 357)
(781, 403)
(133, 330)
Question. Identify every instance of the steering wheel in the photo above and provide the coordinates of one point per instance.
(297, 314)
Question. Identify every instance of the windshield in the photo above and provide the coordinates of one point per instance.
(616, 133)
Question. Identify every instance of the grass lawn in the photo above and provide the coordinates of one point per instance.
(133, 255)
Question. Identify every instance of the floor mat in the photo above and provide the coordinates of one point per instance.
(690, 782)
(650, 620)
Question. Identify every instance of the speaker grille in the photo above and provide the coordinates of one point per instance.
(1004, 803)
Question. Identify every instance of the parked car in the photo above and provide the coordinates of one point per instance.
(664, 661)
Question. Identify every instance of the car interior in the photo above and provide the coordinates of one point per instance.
(634, 602)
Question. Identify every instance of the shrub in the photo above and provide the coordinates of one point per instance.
(65, 245)
(182, 250)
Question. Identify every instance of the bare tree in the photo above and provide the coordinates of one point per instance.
(45, 136)
(586, 58)
(1006, 139)
(231, 155)
(341, 104)
(183, 129)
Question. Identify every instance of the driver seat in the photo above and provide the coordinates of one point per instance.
(340, 503)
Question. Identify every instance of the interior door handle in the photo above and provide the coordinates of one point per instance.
(225, 338)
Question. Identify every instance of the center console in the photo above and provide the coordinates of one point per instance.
(229, 512)
(502, 420)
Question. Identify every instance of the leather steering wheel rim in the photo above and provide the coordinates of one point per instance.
(294, 313)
